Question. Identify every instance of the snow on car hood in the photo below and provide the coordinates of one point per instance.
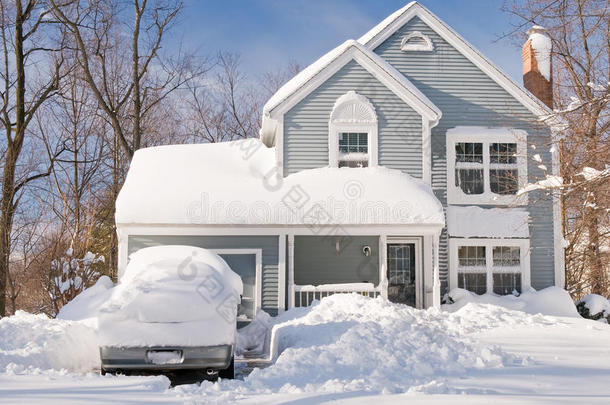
(172, 295)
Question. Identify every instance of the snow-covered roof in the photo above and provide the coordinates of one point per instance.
(376, 30)
(295, 88)
(235, 183)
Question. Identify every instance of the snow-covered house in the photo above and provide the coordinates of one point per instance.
(390, 166)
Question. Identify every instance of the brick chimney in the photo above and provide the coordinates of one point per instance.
(537, 65)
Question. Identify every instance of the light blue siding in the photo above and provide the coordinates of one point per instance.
(467, 96)
(316, 260)
(306, 124)
(268, 244)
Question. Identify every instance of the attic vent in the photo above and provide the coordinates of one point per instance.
(416, 41)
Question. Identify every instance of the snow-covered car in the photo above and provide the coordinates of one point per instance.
(174, 309)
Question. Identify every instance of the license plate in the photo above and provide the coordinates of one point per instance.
(164, 356)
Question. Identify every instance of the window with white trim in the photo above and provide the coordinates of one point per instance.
(353, 149)
(472, 270)
(486, 165)
(352, 132)
(490, 265)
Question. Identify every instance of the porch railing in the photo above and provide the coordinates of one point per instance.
(304, 295)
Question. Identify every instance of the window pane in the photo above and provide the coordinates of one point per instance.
(507, 283)
(469, 152)
(503, 153)
(471, 256)
(470, 180)
(353, 142)
(506, 256)
(475, 282)
(503, 181)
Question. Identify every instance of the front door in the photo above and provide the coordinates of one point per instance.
(402, 273)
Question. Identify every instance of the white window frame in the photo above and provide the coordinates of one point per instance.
(258, 288)
(406, 47)
(352, 113)
(455, 195)
(489, 244)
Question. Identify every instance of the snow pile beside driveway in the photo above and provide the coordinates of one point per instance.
(552, 301)
(353, 343)
(85, 306)
(37, 342)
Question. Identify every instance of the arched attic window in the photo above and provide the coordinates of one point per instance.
(416, 41)
(352, 135)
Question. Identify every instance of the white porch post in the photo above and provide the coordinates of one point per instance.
(436, 293)
(290, 271)
(383, 260)
(281, 277)
(123, 253)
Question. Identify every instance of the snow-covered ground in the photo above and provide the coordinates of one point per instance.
(349, 349)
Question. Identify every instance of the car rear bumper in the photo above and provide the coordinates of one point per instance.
(136, 358)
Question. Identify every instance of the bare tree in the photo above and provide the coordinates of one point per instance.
(27, 36)
(580, 33)
(126, 88)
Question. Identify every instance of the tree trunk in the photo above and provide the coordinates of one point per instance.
(13, 150)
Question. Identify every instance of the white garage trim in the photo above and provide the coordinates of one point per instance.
(258, 253)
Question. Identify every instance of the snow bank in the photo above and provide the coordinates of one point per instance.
(85, 306)
(470, 222)
(254, 336)
(37, 342)
(552, 301)
(237, 183)
(172, 295)
(348, 342)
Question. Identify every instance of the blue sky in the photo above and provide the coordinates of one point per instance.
(270, 33)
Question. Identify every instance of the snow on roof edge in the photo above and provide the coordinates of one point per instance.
(373, 32)
(316, 67)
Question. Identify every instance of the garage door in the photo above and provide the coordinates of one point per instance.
(245, 265)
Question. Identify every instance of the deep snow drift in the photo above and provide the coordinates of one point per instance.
(549, 301)
(37, 342)
(351, 344)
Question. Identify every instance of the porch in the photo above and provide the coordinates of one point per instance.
(404, 269)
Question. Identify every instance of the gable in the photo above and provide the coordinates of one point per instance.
(317, 73)
(306, 125)
(395, 22)
(448, 77)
